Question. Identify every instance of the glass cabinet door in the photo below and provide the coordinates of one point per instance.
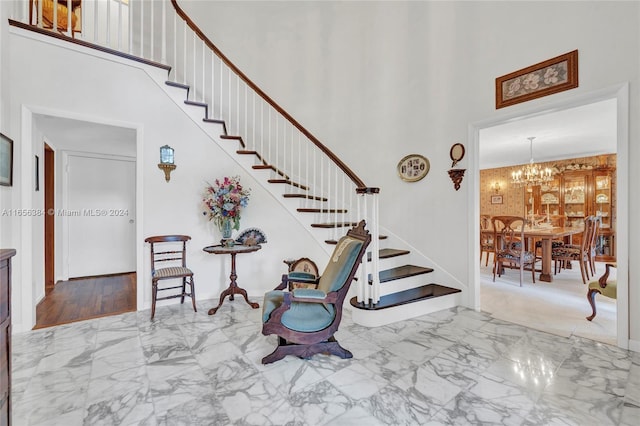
(575, 190)
(603, 208)
(602, 199)
(550, 201)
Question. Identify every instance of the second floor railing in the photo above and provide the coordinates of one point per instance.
(160, 31)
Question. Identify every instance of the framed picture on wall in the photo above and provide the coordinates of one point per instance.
(545, 78)
(496, 199)
(6, 161)
(37, 176)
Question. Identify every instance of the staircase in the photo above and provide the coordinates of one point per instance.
(305, 176)
(405, 289)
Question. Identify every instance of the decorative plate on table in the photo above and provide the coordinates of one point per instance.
(251, 237)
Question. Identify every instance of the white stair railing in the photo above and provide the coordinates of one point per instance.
(160, 31)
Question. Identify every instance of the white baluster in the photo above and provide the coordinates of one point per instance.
(204, 67)
(175, 47)
(184, 40)
(163, 50)
(194, 85)
(142, 29)
(130, 26)
(108, 23)
(152, 26)
(55, 15)
(213, 83)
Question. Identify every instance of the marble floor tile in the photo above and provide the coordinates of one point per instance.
(453, 367)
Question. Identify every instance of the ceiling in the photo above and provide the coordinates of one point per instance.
(77, 135)
(582, 131)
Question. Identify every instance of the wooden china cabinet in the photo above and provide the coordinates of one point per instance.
(576, 193)
(5, 335)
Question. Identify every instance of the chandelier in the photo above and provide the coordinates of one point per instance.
(531, 174)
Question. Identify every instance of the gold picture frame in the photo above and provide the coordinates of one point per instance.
(413, 167)
(544, 78)
(6, 160)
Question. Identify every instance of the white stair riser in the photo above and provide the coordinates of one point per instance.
(403, 312)
(402, 284)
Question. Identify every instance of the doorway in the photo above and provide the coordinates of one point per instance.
(620, 124)
(101, 178)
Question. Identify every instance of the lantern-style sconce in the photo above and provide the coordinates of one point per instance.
(166, 161)
(495, 186)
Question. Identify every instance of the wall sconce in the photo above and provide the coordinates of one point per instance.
(496, 187)
(166, 161)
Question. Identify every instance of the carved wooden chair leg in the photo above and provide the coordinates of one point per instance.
(591, 296)
(193, 294)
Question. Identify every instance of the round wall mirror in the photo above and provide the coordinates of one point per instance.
(456, 153)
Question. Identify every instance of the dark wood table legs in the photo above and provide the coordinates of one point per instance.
(233, 289)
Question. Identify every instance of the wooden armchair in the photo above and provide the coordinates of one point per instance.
(608, 289)
(305, 319)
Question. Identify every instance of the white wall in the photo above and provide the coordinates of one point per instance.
(109, 93)
(378, 80)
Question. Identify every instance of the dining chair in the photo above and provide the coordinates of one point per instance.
(563, 255)
(556, 221)
(486, 237)
(593, 244)
(603, 286)
(510, 252)
(169, 262)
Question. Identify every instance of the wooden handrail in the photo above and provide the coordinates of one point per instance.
(83, 43)
(354, 178)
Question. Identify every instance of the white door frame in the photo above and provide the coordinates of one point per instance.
(25, 298)
(621, 94)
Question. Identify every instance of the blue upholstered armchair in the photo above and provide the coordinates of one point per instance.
(305, 319)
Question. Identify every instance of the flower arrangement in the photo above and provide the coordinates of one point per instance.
(224, 200)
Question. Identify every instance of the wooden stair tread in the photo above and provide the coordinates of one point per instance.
(318, 210)
(387, 253)
(428, 291)
(195, 103)
(402, 272)
(333, 224)
(176, 84)
(289, 182)
(308, 197)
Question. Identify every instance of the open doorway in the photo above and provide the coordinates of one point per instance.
(89, 229)
(559, 307)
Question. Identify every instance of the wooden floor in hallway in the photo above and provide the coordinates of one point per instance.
(85, 298)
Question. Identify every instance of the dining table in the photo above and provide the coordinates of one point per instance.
(546, 234)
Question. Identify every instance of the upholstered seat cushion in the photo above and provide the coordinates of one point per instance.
(554, 244)
(527, 256)
(567, 252)
(173, 271)
(305, 317)
(610, 290)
